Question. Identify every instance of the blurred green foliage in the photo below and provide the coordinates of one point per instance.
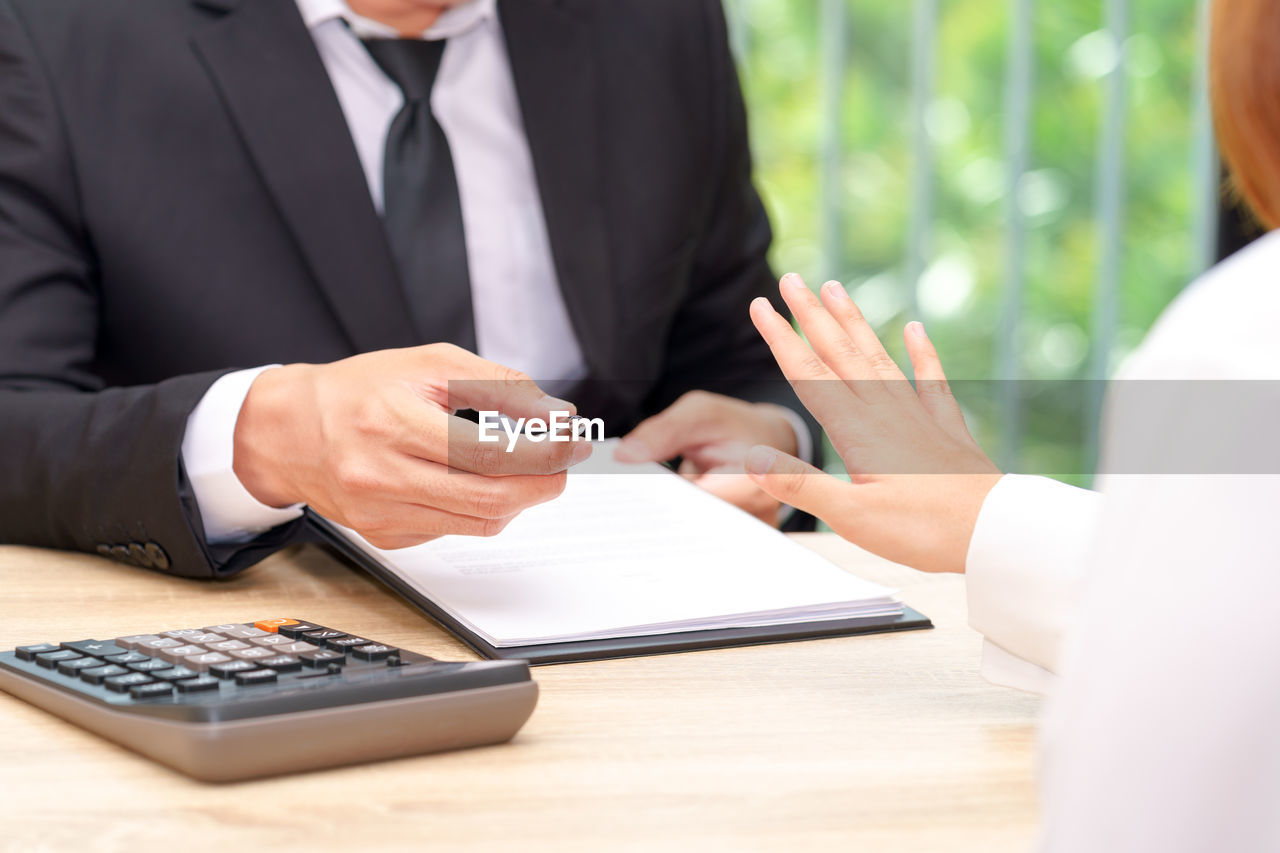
(781, 53)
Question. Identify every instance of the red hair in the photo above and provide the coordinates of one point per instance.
(1244, 81)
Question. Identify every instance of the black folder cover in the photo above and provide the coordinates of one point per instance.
(618, 647)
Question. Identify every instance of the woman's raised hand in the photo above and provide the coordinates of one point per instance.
(918, 477)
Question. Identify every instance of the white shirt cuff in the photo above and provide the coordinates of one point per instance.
(1024, 568)
(230, 514)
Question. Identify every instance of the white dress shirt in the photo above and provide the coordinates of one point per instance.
(520, 315)
(1156, 600)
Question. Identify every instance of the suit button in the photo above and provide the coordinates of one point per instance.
(105, 551)
(140, 555)
(121, 553)
(157, 556)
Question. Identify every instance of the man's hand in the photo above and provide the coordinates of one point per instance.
(371, 442)
(711, 434)
(919, 478)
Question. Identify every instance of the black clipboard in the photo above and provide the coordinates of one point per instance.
(617, 647)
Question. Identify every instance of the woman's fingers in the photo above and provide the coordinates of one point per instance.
(932, 386)
(797, 483)
(846, 312)
(828, 339)
(819, 389)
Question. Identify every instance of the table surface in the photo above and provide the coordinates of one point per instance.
(886, 742)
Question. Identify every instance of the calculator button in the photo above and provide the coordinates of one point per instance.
(204, 638)
(132, 642)
(197, 685)
(227, 670)
(292, 631)
(96, 675)
(151, 691)
(236, 632)
(150, 647)
(281, 663)
(30, 652)
(183, 633)
(346, 643)
(71, 667)
(177, 653)
(272, 625)
(320, 658)
(253, 653)
(49, 660)
(255, 676)
(173, 673)
(228, 645)
(127, 657)
(95, 648)
(321, 638)
(373, 651)
(271, 640)
(294, 648)
(206, 660)
(122, 683)
(149, 665)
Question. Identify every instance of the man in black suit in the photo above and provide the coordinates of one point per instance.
(246, 246)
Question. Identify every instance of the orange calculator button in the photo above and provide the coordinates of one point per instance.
(270, 625)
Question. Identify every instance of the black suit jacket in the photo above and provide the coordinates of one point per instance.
(180, 196)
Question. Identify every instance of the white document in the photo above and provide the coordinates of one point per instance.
(627, 551)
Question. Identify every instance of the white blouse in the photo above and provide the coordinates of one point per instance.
(1156, 600)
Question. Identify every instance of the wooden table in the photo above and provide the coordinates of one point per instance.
(889, 742)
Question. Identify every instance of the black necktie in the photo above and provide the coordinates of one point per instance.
(421, 210)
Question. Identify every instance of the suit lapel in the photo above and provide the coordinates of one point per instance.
(266, 67)
(551, 49)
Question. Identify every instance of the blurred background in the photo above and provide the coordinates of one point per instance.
(1034, 181)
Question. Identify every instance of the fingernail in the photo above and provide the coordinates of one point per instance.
(760, 460)
(792, 281)
(632, 451)
(581, 452)
(835, 290)
(916, 328)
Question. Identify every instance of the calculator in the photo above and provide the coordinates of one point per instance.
(251, 699)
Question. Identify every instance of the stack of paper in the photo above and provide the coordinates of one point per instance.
(629, 551)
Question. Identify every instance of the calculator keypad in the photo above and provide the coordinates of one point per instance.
(211, 661)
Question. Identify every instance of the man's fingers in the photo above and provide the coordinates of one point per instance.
(738, 489)
(476, 383)
(932, 386)
(720, 455)
(391, 526)
(411, 481)
(796, 483)
(688, 422)
(507, 450)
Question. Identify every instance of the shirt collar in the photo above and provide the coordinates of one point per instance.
(453, 22)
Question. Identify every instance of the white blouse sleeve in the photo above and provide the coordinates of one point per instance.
(1025, 566)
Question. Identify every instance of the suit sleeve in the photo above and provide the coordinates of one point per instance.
(83, 467)
(713, 345)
